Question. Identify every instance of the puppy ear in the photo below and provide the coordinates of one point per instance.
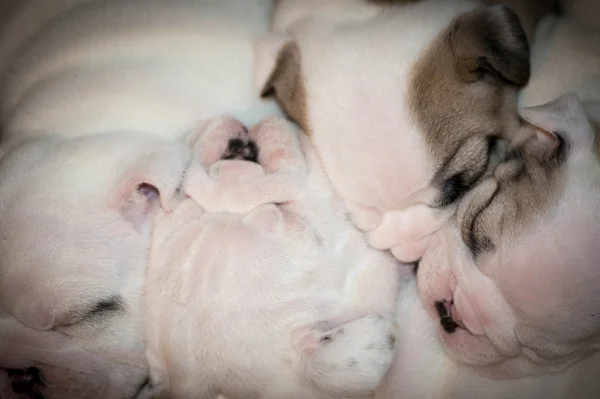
(491, 42)
(564, 118)
(278, 74)
(151, 181)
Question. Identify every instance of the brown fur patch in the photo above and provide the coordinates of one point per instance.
(527, 187)
(463, 93)
(286, 84)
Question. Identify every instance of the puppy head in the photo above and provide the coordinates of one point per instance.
(515, 280)
(75, 225)
(428, 87)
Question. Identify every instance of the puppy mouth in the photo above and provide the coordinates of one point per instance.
(26, 382)
(450, 318)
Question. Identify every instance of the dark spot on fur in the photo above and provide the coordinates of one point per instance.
(326, 338)
(392, 341)
(351, 363)
(453, 188)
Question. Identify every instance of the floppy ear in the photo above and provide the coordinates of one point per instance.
(564, 118)
(278, 74)
(491, 42)
(151, 181)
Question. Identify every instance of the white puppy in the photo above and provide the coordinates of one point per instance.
(283, 300)
(72, 277)
(73, 253)
(404, 105)
(157, 67)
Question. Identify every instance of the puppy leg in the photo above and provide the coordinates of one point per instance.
(348, 360)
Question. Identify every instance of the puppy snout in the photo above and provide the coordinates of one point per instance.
(241, 149)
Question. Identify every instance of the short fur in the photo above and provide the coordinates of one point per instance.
(429, 99)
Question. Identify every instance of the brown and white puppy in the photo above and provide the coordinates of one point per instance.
(514, 280)
(404, 105)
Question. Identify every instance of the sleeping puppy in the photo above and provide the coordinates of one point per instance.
(422, 370)
(75, 229)
(94, 66)
(514, 282)
(280, 297)
(73, 319)
(405, 106)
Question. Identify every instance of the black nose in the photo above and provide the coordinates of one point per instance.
(240, 149)
(448, 324)
(446, 321)
(23, 382)
(440, 308)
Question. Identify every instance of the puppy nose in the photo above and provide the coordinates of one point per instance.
(241, 149)
(443, 310)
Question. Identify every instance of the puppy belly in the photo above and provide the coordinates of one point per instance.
(225, 303)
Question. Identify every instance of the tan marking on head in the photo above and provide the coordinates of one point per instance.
(286, 84)
(526, 187)
(464, 90)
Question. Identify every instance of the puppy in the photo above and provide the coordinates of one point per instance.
(75, 234)
(282, 298)
(422, 370)
(513, 282)
(160, 68)
(405, 107)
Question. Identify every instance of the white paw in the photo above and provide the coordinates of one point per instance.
(353, 358)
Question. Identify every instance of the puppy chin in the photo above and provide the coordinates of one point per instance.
(468, 349)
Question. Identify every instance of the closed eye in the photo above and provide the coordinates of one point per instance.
(94, 312)
(471, 232)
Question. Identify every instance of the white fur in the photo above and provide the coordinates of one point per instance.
(253, 293)
(151, 66)
(69, 241)
(565, 58)
(366, 136)
(422, 370)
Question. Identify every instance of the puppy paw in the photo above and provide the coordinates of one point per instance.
(221, 138)
(351, 359)
(278, 145)
(405, 232)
